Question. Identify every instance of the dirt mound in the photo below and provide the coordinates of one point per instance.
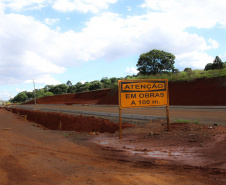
(196, 92)
(59, 121)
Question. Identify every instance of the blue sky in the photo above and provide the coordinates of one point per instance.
(53, 41)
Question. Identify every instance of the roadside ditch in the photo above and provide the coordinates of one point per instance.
(61, 121)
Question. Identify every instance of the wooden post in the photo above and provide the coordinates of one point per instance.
(120, 109)
(168, 120)
(34, 92)
(60, 126)
(167, 107)
(120, 123)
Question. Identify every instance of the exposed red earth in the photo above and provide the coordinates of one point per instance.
(79, 98)
(196, 92)
(54, 148)
(59, 121)
(147, 154)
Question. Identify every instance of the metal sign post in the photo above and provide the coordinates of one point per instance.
(143, 93)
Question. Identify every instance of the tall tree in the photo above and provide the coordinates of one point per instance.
(49, 88)
(155, 61)
(41, 93)
(60, 89)
(69, 83)
(217, 64)
(106, 82)
(95, 85)
(72, 89)
(114, 80)
(29, 94)
(20, 97)
(79, 87)
(208, 66)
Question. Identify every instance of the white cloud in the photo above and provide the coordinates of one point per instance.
(31, 49)
(20, 90)
(223, 57)
(154, 4)
(131, 70)
(36, 63)
(36, 51)
(51, 22)
(129, 8)
(5, 95)
(115, 37)
(201, 14)
(44, 79)
(25, 44)
(18, 5)
(214, 44)
(83, 6)
(195, 60)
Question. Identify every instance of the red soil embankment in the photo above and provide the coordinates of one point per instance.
(196, 92)
(59, 121)
(79, 98)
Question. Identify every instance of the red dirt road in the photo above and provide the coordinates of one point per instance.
(31, 155)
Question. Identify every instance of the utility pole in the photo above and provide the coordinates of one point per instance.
(34, 91)
(10, 98)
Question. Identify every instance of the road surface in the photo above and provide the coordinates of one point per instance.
(199, 114)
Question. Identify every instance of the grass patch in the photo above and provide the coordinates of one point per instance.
(183, 76)
(185, 121)
(66, 135)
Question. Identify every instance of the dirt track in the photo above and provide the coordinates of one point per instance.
(31, 155)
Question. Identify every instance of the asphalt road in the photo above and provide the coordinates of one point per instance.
(199, 114)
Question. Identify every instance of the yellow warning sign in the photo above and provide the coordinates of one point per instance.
(143, 93)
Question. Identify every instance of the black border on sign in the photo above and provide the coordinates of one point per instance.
(141, 82)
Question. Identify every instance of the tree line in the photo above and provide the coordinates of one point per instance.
(151, 63)
(50, 90)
